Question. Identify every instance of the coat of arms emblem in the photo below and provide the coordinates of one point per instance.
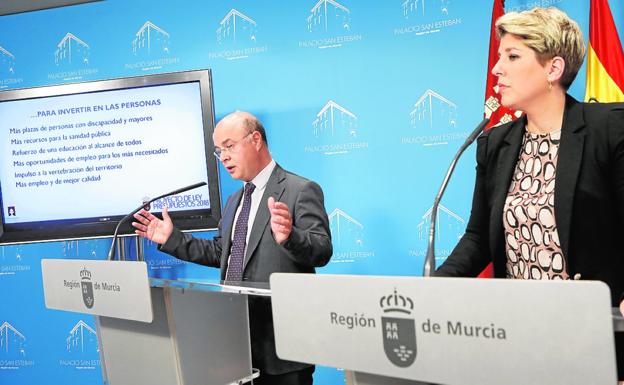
(87, 287)
(399, 331)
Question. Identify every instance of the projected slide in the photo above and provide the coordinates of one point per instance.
(102, 153)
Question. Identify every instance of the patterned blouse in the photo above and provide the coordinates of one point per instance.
(531, 239)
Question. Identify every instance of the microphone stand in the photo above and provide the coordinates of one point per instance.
(430, 264)
(111, 251)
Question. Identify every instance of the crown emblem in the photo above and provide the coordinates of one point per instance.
(85, 274)
(396, 303)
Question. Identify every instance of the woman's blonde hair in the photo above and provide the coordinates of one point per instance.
(549, 32)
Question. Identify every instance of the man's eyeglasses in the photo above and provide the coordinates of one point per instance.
(230, 147)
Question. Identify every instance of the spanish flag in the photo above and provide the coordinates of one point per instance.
(605, 59)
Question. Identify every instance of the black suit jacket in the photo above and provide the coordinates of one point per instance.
(308, 246)
(589, 197)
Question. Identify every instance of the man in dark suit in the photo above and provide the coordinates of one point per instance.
(288, 232)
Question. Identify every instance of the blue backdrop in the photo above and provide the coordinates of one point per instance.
(369, 98)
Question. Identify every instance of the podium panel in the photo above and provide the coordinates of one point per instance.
(361, 378)
(448, 331)
(157, 332)
(196, 338)
(135, 352)
(218, 320)
(114, 289)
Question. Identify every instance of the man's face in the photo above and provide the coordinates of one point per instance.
(239, 150)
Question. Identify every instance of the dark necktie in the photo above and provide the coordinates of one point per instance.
(237, 252)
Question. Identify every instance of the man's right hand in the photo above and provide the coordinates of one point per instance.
(152, 228)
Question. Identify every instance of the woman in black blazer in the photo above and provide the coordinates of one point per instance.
(549, 196)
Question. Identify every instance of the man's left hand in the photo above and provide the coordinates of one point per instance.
(622, 308)
(281, 221)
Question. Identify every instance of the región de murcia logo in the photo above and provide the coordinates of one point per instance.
(398, 329)
(87, 287)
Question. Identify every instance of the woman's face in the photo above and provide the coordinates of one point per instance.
(522, 79)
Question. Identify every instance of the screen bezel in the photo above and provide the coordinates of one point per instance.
(98, 227)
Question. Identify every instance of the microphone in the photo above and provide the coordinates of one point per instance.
(430, 264)
(111, 251)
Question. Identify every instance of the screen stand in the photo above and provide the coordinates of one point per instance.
(121, 249)
(138, 242)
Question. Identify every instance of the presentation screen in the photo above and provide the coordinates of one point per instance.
(78, 157)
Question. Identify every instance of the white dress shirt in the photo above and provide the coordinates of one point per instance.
(260, 181)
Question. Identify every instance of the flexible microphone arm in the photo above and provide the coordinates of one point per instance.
(430, 264)
(111, 251)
